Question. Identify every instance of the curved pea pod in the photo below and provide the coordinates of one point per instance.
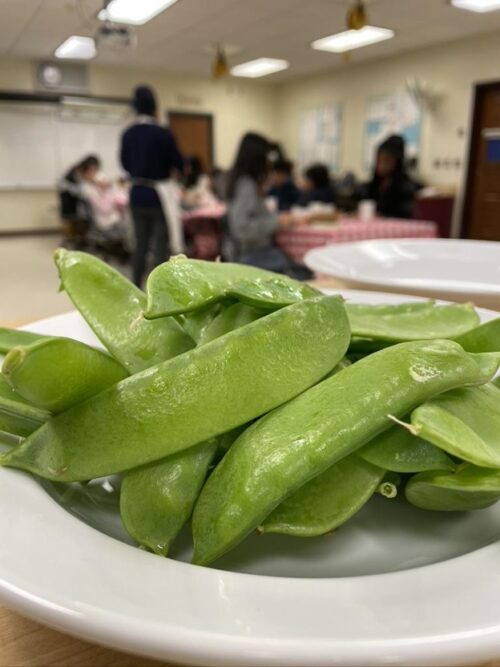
(399, 451)
(113, 307)
(195, 322)
(469, 488)
(300, 440)
(181, 285)
(17, 416)
(191, 398)
(327, 501)
(156, 500)
(233, 317)
(464, 422)
(484, 338)
(57, 373)
(401, 323)
(10, 338)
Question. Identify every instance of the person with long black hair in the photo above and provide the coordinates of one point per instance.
(251, 225)
(391, 187)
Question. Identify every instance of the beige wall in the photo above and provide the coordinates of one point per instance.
(450, 69)
(237, 106)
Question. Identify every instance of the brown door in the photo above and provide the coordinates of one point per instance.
(193, 132)
(482, 202)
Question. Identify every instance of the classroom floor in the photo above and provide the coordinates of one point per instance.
(28, 280)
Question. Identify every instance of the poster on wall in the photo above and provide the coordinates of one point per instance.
(319, 136)
(395, 113)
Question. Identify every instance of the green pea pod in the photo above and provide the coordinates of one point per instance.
(364, 346)
(469, 488)
(10, 338)
(181, 285)
(17, 416)
(399, 323)
(156, 500)
(399, 451)
(57, 373)
(233, 317)
(196, 321)
(327, 501)
(464, 422)
(113, 308)
(484, 338)
(191, 398)
(300, 440)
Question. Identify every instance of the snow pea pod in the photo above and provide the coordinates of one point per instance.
(233, 317)
(156, 500)
(399, 450)
(113, 307)
(464, 422)
(400, 323)
(10, 338)
(484, 338)
(191, 398)
(469, 488)
(181, 285)
(298, 441)
(327, 501)
(17, 415)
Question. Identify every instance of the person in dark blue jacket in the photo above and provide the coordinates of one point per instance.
(149, 154)
(318, 187)
(283, 187)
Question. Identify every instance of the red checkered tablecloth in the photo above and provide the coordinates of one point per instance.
(298, 240)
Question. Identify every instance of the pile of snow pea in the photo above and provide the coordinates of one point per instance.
(234, 399)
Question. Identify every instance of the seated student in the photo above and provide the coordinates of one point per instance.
(317, 186)
(73, 206)
(251, 225)
(391, 187)
(282, 187)
(197, 186)
(107, 205)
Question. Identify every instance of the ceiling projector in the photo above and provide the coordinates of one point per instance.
(115, 35)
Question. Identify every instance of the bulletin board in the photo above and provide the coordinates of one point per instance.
(320, 136)
(395, 113)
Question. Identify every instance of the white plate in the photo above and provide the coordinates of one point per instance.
(456, 268)
(394, 586)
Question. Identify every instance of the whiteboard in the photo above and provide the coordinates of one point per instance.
(39, 143)
(320, 136)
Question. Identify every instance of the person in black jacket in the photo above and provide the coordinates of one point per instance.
(283, 188)
(391, 187)
(149, 154)
(73, 207)
(318, 186)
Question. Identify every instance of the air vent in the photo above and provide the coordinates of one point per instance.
(61, 77)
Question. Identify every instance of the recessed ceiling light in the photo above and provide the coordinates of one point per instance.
(479, 6)
(352, 39)
(260, 67)
(134, 12)
(76, 48)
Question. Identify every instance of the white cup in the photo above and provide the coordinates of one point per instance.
(367, 209)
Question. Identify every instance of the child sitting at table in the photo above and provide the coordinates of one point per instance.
(283, 189)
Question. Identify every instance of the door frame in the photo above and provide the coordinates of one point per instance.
(197, 114)
(474, 134)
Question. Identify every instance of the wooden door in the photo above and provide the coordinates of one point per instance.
(482, 202)
(194, 134)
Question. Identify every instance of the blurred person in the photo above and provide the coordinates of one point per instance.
(391, 187)
(197, 185)
(251, 225)
(107, 204)
(283, 188)
(149, 153)
(218, 183)
(317, 186)
(73, 206)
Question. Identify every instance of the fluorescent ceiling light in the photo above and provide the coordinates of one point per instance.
(352, 39)
(134, 12)
(480, 6)
(76, 48)
(260, 67)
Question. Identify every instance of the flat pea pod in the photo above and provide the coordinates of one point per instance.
(113, 307)
(327, 501)
(464, 422)
(196, 321)
(10, 338)
(395, 323)
(57, 373)
(300, 440)
(17, 416)
(191, 398)
(182, 285)
(484, 338)
(233, 317)
(398, 450)
(156, 500)
(469, 488)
